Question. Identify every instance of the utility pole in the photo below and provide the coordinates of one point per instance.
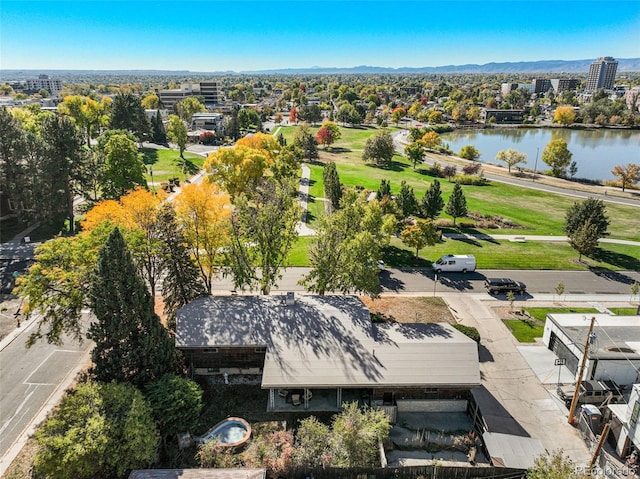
(535, 168)
(576, 393)
(603, 436)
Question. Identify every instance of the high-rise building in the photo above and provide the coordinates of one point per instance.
(209, 90)
(602, 74)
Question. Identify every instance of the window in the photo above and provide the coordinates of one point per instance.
(634, 414)
(210, 350)
(261, 350)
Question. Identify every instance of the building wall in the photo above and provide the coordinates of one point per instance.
(220, 360)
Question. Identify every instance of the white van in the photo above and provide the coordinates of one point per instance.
(460, 263)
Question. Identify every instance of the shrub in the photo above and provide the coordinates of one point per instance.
(471, 168)
(444, 223)
(468, 331)
(474, 180)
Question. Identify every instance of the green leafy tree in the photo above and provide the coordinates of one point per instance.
(312, 441)
(469, 152)
(432, 202)
(249, 119)
(557, 156)
(347, 113)
(415, 152)
(99, 430)
(345, 250)
(591, 211)
(124, 168)
(584, 239)
(262, 234)
(127, 113)
(304, 139)
(310, 113)
(55, 287)
(23, 170)
(355, 436)
(131, 344)
(457, 204)
(175, 403)
(177, 133)
(554, 465)
(379, 148)
(422, 233)
(332, 186)
(406, 200)
(188, 106)
(182, 282)
(511, 157)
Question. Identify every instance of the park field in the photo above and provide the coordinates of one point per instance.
(527, 211)
(532, 212)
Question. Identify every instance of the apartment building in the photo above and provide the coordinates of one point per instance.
(209, 90)
(52, 85)
(602, 74)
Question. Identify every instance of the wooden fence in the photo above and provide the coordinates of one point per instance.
(410, 472)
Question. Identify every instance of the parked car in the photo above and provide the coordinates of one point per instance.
(504, 285)
(591, 392)
(460, 263)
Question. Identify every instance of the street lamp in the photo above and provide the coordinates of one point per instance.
(151, 173)
(535, 168)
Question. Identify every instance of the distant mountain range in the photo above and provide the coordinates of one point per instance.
(542, 66)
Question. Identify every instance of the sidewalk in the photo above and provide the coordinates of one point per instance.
(508, 377)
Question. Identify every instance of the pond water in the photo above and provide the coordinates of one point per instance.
(595, 152)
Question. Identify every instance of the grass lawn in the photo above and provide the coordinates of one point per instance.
(166, 164)
(525, 331)
(536, 212)
(623, 311)
(541, 313)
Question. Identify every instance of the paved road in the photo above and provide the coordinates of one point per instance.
(32, 380)
(400, 141)
(416, 280)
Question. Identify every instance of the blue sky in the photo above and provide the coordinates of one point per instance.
(206, 35)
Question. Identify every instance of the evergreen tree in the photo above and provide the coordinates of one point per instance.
(183, 282)
(65, 155)
(406, 200)
(127, 113)
(332, 186)
(304, 139)
(158, 134)
(131, 344)
(457, 205)
(384, 189)
(432, 202)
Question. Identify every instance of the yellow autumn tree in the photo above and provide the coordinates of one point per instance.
(430, 140)
(236, 170)
(262, 141)
(204, 211)
(136, 213)
(565, 115)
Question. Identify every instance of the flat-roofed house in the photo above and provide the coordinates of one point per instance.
(321, 351)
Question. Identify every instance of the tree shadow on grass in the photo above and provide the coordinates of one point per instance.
(397, 257)
(338, 149)
(391, 166)
(618, 260)
(149, 156)
(187, 167)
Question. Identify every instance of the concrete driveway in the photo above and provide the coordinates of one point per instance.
(507, 375)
